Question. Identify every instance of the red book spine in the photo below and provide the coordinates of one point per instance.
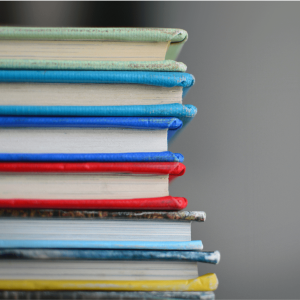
(171, 168)
(161, 203)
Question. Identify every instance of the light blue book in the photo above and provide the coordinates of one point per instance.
(211, 257)
(96, 93)
(124, 245)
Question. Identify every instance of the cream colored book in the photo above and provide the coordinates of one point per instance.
(48, 45)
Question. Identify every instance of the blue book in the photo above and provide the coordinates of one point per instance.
(86, 136)
(81, 244)
(96, 94)
(165, 156)
(211, 257)
(161, 79)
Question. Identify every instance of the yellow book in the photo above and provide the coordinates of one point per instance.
(208, 282)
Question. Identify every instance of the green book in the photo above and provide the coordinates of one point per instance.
(154, 49)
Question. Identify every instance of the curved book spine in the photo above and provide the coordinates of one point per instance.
(124, 245)
(161, 203)
(166, 156)
(211, 257)
(208, 282)
(165, 79)
(161, 168)
(86, 65)
(66, 295)
(178, 216)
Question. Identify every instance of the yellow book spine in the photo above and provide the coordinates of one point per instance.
(208, 282)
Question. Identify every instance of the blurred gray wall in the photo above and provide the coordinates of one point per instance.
(242, 150)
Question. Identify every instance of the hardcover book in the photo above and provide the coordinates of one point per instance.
(88, 185)
(84, 48)
(100, 230)
(92, 88)
(82, 135)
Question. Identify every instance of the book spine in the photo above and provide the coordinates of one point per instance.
(41, 254)
(119, 245)
(85, 65)
(91, 122)
(163, 203)
(165, 110)
(208, 282)
(92, 157)
(165, 79)
(67, 295)
(178, 216)
(161, 168)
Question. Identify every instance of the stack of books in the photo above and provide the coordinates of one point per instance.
(86, 115)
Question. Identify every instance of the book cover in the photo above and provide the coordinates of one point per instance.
(211, 257)
(164, 79)
(175, 38)
(46, 295)
(167, 203)
(208, 282)
(178, 216)
(82, 244)
(165, 168)
(185, 113)
(171, 124)
(165, 156)
(86, 65)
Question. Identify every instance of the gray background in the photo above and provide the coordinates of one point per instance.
(242, 149)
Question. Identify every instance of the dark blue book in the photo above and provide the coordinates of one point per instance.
(89, 136)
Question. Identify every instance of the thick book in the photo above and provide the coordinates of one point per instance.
(92, 88)
(211, 257)
(113, 295)
(83, 182)
(60, 46)
(84, 229)
(183, 112)
(208, 282)
(98, 229)
(46, 135)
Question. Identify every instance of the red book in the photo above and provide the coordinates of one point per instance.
(161, 203)
(17, 193)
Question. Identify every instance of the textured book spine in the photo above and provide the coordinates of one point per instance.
(111, 34)
(178, 216)
(162, 203)
(165, 79)
(124, 245)
(208, 282)
(160, 168)
(91, 122)
(41, 254)
(92, 157)
(84, 65)
(67, 295)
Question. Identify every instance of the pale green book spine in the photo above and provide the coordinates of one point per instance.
(163, 66)
(111, 34)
